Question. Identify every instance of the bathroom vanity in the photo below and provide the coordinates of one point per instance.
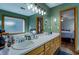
(49, 48)
(45, 44)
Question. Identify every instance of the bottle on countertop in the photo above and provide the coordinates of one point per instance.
(10, 41)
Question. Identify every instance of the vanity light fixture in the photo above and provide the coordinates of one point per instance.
(35, 8)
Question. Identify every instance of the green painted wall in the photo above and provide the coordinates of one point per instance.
(55, 13)
(7, 13)
(32, 19)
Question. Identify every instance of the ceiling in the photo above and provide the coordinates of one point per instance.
(17, 8)
(51, 5)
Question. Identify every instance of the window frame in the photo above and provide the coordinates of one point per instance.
(3, 20)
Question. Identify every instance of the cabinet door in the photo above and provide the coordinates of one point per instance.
(36, 51)
(58, 42)
(48, 48)
(53, 46)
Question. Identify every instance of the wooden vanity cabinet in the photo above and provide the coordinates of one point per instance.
(52, 46)
(37, 51)
(48, 48)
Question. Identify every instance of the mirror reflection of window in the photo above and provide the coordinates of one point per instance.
(14, 25)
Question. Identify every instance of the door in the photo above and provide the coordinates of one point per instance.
(66, 13)
(39, 27)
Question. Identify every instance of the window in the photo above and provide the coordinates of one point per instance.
(14, 25)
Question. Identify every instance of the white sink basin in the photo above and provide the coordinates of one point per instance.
(24, 45)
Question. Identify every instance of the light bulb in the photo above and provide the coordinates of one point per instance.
(33, 9)
(39, 11)
(44, 13)
(31, 5)
(36, 9)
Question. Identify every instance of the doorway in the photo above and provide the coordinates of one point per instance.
(39, 25)
(69, 28)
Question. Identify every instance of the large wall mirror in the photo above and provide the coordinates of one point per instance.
(14, 25)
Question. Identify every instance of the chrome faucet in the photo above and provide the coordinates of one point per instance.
(28, 37)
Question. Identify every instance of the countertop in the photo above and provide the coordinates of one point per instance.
(36, 43)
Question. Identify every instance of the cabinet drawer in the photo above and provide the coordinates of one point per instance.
(36, 51)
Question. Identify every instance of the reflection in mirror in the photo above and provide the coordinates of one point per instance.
(14, 25)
